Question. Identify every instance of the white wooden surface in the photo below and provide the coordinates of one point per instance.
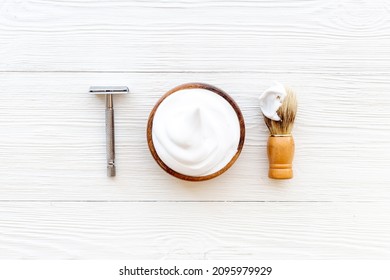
(55, 198)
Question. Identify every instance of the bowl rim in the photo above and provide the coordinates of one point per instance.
(149, 130)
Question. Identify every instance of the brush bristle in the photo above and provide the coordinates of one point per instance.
(286, 112)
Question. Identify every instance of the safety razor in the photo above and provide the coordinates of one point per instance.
(110, 131)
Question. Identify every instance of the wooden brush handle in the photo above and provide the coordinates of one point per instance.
(280, 150)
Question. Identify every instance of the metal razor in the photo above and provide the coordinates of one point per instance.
(109, 91)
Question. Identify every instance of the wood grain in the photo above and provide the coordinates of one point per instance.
(55, 198)
(142, 230)
(53, 139)
(294, 36)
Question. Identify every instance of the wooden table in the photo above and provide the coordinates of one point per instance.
(55, 199)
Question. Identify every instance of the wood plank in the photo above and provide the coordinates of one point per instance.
(93, 230)
(53, 144)
(294, 36)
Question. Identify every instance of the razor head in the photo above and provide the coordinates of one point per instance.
(108, 90)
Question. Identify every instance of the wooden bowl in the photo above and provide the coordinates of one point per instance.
(150, 127)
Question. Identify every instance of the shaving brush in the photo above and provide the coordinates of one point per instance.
(279, 107)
